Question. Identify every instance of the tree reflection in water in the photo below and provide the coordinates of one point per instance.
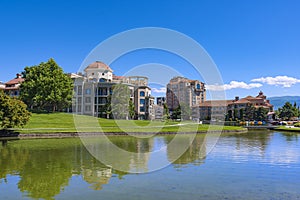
(45, 166)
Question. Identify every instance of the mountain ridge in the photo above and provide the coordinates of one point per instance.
(279, 101)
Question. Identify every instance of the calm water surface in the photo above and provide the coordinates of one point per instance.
(254, 165)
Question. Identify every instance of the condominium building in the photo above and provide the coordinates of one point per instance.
(160, 100)
(94, 90)
(181, 90)
(2, 86)
(12, 87)
(218, 109)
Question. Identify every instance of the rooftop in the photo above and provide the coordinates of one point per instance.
(16, 80)
(98, 65)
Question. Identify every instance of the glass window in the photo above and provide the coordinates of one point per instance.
(88, 91)
(142, 93)
(142, 101)
(142, 109)
(79, 90)
(88, 100)
(198, 86)
(87, 108)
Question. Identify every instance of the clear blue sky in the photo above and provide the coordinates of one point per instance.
(247, 39)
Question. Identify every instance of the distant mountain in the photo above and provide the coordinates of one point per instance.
(280, 101)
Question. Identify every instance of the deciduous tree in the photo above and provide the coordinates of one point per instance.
(46, 87)
(13, 112)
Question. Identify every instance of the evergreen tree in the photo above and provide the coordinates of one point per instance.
(288, 111)
(131, 109)
(185, 111)
(250, 112)
(120, 101)
(176, 114)
(166, 114)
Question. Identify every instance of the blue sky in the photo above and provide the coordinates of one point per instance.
(255, 42)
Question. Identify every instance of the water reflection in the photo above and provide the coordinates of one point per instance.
(195, 153)
(45, 167)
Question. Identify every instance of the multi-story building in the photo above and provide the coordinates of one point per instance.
(218, 109)
(12, 87)
(2, 86)
(94, 90)
(158, 111)
(181, 90)
(160, 100)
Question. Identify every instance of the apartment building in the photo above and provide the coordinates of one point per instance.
(93, 91)
(160, 100)
(12, 87)
(2, 86)
(218, 109)
(181, 90)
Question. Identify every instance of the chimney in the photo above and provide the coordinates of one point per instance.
(237, 98)
(19, 76)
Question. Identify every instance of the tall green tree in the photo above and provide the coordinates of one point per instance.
(288, 111)
(13, 112)
(261, 114)
(131, 109)
(242, 115)
(186, 111)
(46, 87)
(250, 112)
(236, 114)
(176, 114)
(120, 101)
(166, 114)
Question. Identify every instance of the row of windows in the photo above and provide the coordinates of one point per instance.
(102, 91)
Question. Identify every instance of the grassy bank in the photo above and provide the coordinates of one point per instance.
(284, 128)
(64, 123)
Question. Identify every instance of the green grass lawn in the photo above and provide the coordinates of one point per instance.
(284, 128)
(64, 123)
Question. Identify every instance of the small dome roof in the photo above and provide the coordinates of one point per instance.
(98, 65)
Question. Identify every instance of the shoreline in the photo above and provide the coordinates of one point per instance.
(83, 134)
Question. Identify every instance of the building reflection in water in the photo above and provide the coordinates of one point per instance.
(186, 149)
(46, 166)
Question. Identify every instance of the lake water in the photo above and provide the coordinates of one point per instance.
(253, 165)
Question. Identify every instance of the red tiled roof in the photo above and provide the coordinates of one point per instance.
(98, 65)
(242, 101)
(215, 103)
(15, 81)
(118, 77)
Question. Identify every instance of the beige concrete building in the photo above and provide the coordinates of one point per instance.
(181, 90)
(93, 91)
(158, 111)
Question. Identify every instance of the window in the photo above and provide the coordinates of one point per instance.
(142, 93)
(88, 91)
(142, 109)
(198, 86)
(79, 90)
(142, 101)
(87, 99)
(79, 100)
(87, 108)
